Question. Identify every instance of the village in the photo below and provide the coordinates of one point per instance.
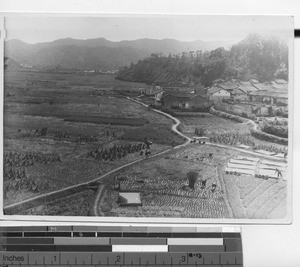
(246, 98)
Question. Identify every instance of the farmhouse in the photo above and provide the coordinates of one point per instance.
(217, 94)
(261, 86)
(150, 90)
(154, 91)
(239, 94)
(228, 86)
(270, 97)
(280, 85)
(185, 100)
(158, 94)
(248, 87)
(176, 87)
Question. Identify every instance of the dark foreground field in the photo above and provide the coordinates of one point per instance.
(164, 191)
(65, 129)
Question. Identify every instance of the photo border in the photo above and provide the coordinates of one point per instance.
(152, 220)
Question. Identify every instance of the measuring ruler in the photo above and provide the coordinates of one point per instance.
(120, 246)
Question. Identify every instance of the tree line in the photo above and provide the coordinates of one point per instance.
(255, 57)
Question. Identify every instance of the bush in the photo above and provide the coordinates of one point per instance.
(192, 178)
(44, 131)
(252, 117)
(280, 131)
(227, 115)
(200, 131)
(244, 115)
(232, 139)
(180, 127)
(268, 137)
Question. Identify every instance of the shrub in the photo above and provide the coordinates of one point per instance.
(227, 115)
(252, 117)
(268, 137)
(192, 177)
(44, 131)
(244, 115)
(180, 127)
(277, 130)
(280, 131)
(200, 131)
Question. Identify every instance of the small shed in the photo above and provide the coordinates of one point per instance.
(129, 199)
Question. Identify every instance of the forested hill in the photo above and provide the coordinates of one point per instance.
(255, 57)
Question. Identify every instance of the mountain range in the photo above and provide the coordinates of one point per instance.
(97, 54)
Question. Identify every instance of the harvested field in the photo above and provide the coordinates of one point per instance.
(157, 133)
(70, 115)
(212, 124)
(75, 205)
(164, 188)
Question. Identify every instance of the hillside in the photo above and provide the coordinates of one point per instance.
(99, 54)
(253, 58)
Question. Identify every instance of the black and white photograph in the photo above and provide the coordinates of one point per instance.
(170, 117)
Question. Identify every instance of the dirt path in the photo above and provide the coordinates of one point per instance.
(98, 198)
(177, 122)
(174, 126)
(39, 199)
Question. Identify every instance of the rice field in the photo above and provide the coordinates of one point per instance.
(163, 185)
(71, 115)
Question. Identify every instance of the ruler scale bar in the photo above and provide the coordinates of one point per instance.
(100, 246)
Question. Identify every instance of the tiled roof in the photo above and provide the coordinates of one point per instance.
(281, 81)
(247, 86)
(262, 86)
(280, 86)
(214, 89)
(270, 93)
(228, 85)
(186, 95)
(239, 91)
(156, 91)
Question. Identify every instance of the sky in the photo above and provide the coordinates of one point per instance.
(37, 28)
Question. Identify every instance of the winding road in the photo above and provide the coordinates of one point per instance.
(96, 210)
(38, 200)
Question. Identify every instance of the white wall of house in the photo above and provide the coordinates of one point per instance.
(219, 95)
(158, 96)
(242, 97)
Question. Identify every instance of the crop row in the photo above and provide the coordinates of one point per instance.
(232, 139)
(107, 120)
(117, 151)
(233, 196)
(195, 207)
(15, 158)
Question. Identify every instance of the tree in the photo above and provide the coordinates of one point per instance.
(200, 131)
(192, 178)
(44, 131)
(257, 57)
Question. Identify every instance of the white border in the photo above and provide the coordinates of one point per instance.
(153, 220)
